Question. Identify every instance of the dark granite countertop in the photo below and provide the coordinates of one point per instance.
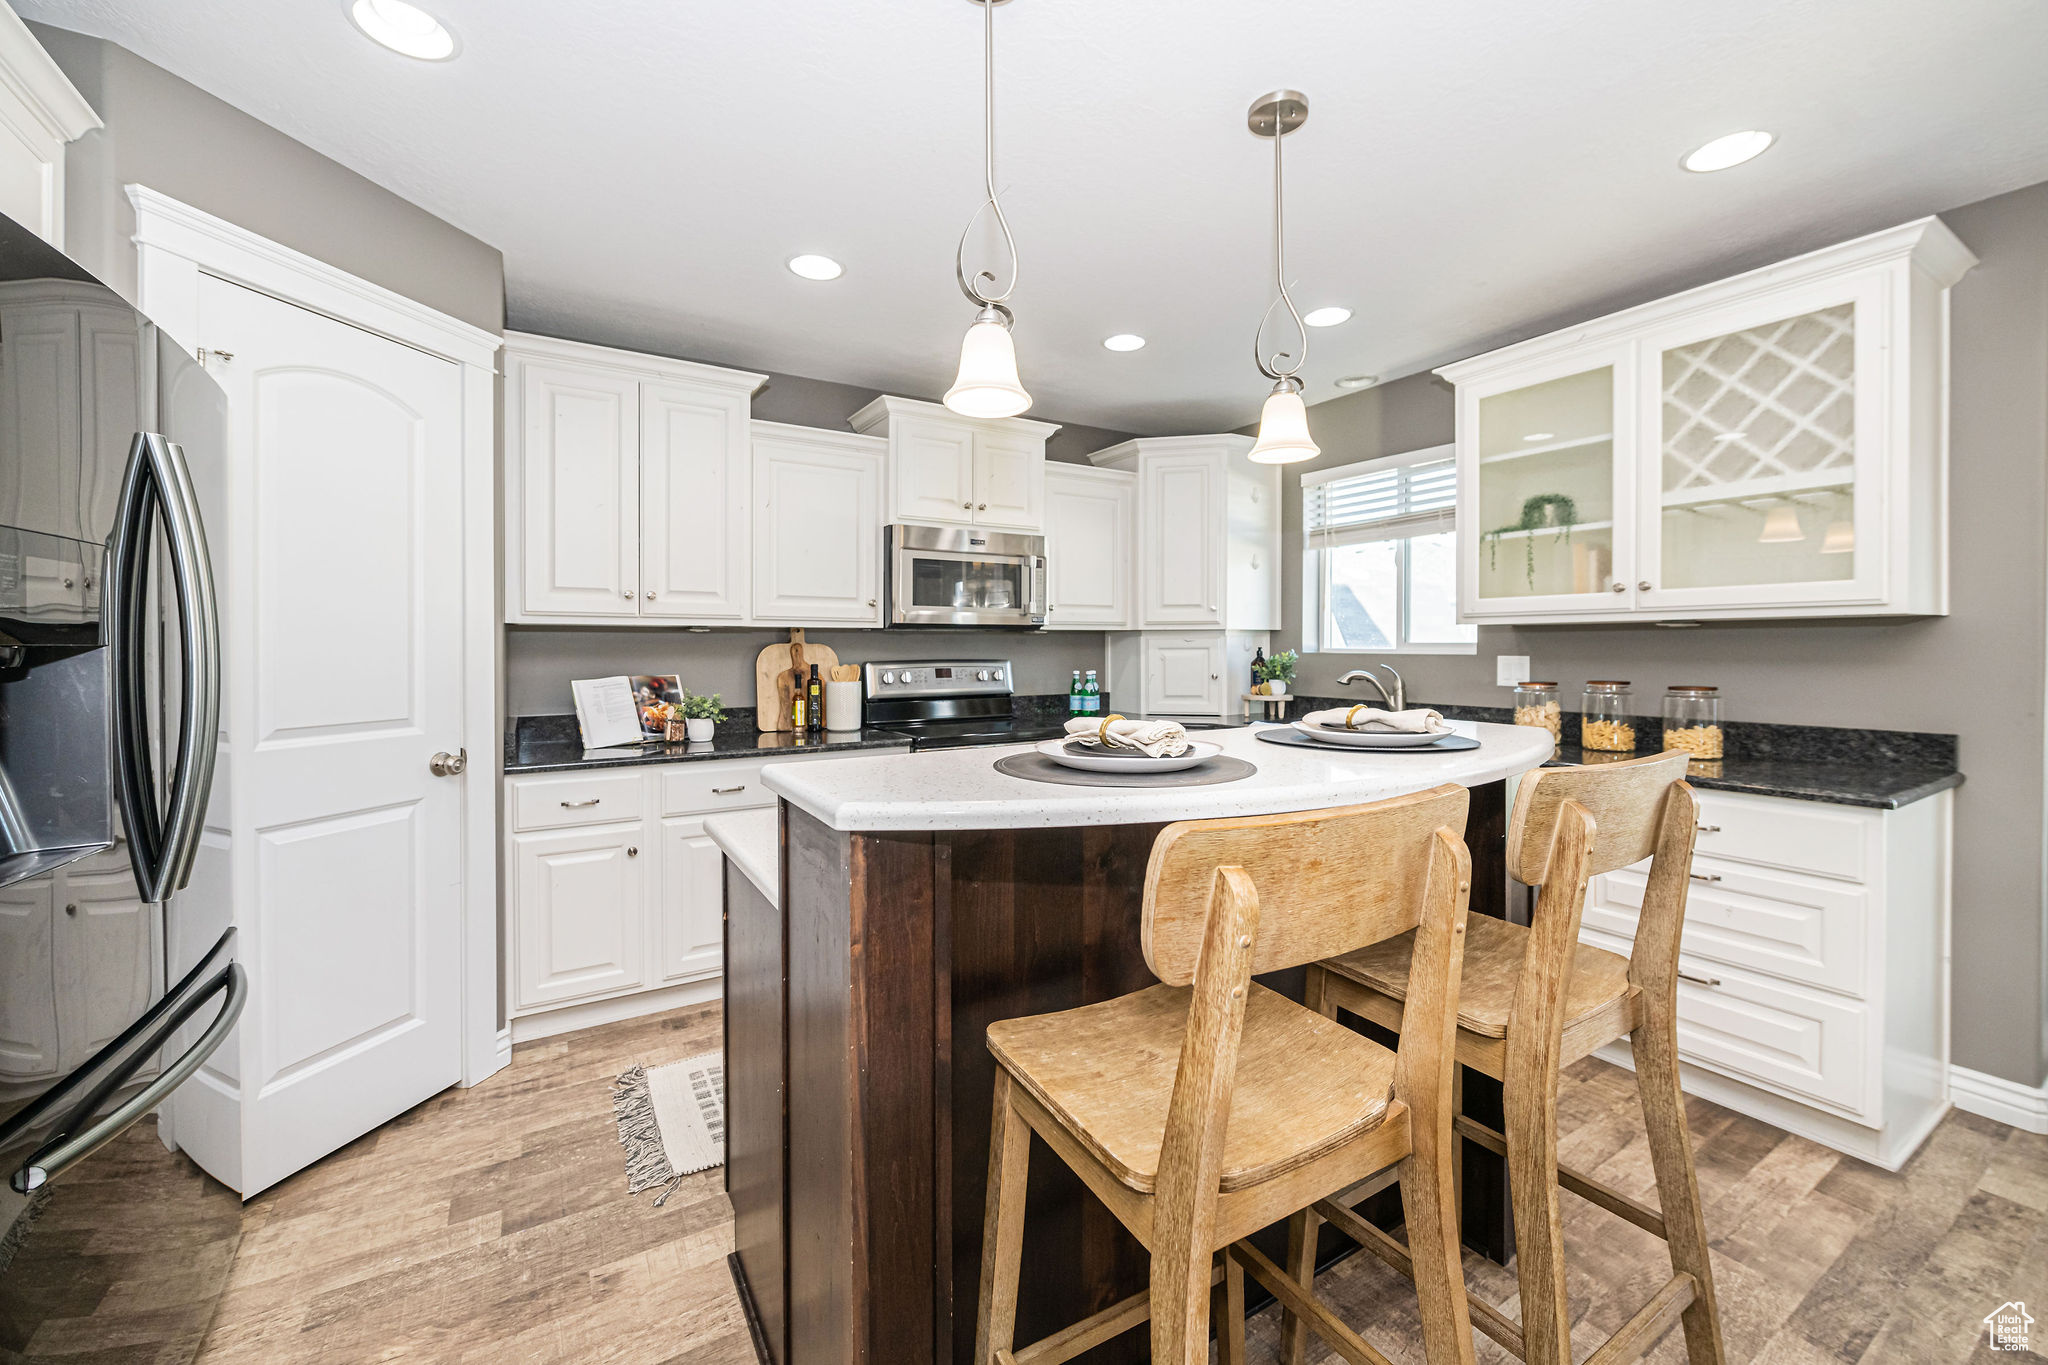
(1883, 785)
(552, 744)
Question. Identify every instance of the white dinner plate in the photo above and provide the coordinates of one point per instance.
(1128, 761)
(1369, 739)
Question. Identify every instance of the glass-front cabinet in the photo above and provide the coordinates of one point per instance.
(1772, 445)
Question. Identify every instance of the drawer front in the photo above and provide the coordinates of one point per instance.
(696, 788)
(1803, 1044)
(1799, 928)
(578, 799)
(1799, 836)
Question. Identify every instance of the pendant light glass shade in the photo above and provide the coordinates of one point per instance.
(1840, 538)
(987, 385)
(1283, 429)
(1781, 526)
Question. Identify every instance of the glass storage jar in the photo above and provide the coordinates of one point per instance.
(1604, 721)
(1692, 719)
(1536, 704)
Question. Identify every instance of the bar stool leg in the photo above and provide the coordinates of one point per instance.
(1230, 1331)
(1539, 1234)
(1304, 1227)
(1655, 1045)
(1002, 1238)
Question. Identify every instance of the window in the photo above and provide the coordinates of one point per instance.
(1380, 562)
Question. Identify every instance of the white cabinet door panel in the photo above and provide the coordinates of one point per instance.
(1009, 481)
(580, 439)
(693, 497)
(691, 910)
(39, 468)
(579, 914)
(103, 962)
(1184, 675)
(28, 983)
(931, 471)
(1181, 569)
(817, 528)
(1089, 563)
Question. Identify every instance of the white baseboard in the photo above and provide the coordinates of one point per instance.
(1993, 1097)
(569, 1018)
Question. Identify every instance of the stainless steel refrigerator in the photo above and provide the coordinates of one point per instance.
(109, 718)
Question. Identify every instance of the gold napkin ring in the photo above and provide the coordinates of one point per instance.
(1352, 715)
(1102, 732)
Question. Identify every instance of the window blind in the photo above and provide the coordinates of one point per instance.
(1389, 499)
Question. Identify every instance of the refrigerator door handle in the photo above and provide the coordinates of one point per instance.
(158, 483)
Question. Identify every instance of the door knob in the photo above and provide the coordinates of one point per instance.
(445, 764)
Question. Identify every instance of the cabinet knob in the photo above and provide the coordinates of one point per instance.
(71, 909)
(1214, 676)
(67, 582)
(650, 597)
(871, 601)
(627, 594)
(981, 507)
(1643, 586)
(632, 851)
(1621, 587)
(967, 507)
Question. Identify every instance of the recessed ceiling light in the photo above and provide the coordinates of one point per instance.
(1327, 317)
(1730, 150)
(1541, 436)
(1358, 381)
(1124, 341)
(405, 29)
(816, 267)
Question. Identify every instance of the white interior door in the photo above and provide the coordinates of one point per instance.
(345, 625)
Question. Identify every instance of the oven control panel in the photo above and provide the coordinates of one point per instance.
(940, 678)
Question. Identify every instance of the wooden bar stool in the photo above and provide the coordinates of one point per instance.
(1535, 999)
(1208, 1107)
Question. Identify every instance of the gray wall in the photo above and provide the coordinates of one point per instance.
(172, 136)
(1978, 672)
(540, 661)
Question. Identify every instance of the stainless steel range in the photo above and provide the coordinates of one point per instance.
(950, 703)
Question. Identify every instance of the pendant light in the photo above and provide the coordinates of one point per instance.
(987, 385)
(1283, 423)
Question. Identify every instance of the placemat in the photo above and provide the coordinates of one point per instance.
(1287, 734)
(1036, 767)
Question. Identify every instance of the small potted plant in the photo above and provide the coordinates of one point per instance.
(1277, 672)
(700, 716)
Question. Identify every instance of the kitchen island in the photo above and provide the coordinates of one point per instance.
(922, 897)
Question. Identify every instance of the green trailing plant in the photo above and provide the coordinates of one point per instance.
(701, 707)
(1542, 512)
(1278, 668)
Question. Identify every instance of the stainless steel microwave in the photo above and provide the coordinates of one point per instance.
(962, 576)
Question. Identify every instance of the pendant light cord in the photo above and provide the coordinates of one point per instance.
(1278, 368)
(978, 285)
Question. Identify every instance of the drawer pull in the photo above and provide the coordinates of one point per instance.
(1684, 975)
(576, 805)
(1710, 829)
(1704, 876)
(728, 791)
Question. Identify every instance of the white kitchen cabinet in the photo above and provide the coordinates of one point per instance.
(627, 480)
(78, 964)
(581, 913)
(691, 913)
(614, 899)
(1208, 548)
(817, 526)
(1772, 445)
(1813, 968)
(949, 470)
(70, 383)
(1090, 548)
(1197, 674)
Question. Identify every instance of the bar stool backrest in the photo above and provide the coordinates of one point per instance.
(1626, 800)
(1327, 882)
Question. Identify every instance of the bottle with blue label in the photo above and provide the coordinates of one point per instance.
(1074, 706)
(1091, 695)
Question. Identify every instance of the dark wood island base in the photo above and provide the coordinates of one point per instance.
(859, 1086)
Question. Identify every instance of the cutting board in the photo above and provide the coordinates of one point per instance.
(779, 670)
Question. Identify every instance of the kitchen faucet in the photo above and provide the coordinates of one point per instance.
(1396, 699)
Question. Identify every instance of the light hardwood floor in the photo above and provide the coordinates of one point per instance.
(492, 1225)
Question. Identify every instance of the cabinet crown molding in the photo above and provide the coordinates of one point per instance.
(1926, 243)
(532, 346)
(1125, 454)
(888, 406)
(32, 76)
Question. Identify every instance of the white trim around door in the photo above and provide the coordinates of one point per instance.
(176, 244)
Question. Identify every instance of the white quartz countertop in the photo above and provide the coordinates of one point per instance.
(960, 788)
(752, 841)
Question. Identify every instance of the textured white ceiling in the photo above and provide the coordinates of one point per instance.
(1470, 171)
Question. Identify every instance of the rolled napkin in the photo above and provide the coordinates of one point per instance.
(1155, 738)
(1416, 720)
